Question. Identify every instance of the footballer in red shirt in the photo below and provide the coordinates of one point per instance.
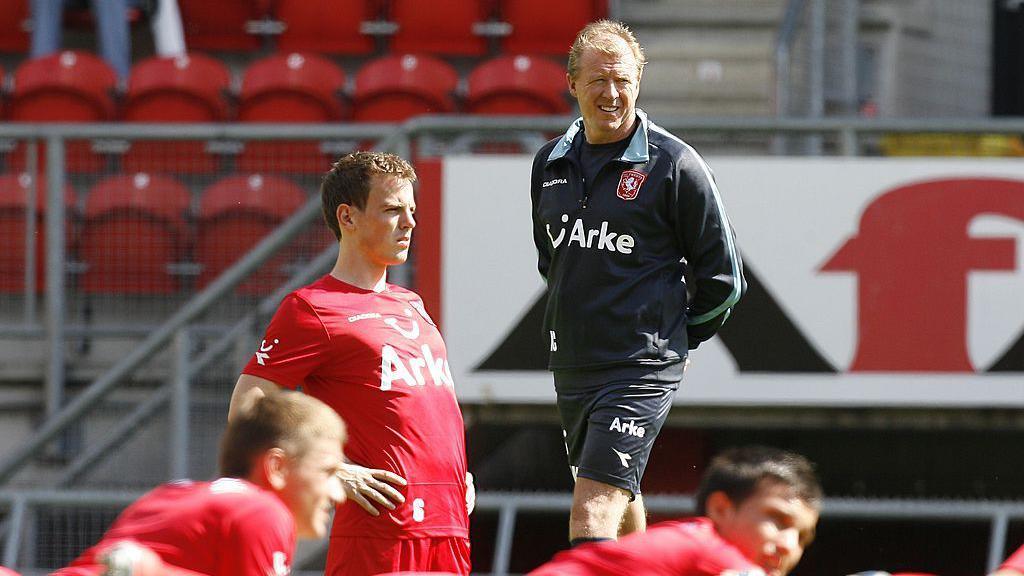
(369, 350)
(758, 508)
(1014, 565)
(280, 482)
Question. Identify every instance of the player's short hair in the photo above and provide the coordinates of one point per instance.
(348, 181)
(602, 35)
(738, 472)
(288, 420)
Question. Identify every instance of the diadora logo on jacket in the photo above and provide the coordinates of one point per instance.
(595, 238)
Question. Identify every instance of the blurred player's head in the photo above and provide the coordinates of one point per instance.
(765, 502)
(289, 443)
(604, 70)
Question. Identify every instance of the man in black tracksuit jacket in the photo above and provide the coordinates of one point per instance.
(627, 220)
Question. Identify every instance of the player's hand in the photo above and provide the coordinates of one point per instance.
(370, 488)
(470, 494)
(130, 559)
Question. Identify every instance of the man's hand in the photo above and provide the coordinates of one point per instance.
(470, 494)
(367, 487)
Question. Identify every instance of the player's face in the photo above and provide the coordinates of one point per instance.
(383, 230)
(606, 87)
(771, 527)
(313, 488)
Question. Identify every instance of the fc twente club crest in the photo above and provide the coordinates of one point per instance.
(630, 183)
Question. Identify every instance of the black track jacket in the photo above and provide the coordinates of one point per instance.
(616, 253)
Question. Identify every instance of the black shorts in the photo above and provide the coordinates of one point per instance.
(611, 422)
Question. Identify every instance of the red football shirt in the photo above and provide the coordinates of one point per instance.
(1015, 561)
(221, 528)
(679, 548)
(380, 362)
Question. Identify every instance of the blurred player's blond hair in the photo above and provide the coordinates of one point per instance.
(288, 420)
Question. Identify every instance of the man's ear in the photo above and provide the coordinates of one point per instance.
(719, 507)
(345, 215)
(572, 85)
(274, 463)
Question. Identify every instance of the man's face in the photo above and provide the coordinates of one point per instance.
(382, 231)
(312, 487)
(606, 86)
(771, 527)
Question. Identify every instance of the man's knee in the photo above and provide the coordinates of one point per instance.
(597, 509)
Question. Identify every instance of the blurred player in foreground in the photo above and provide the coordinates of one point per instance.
(370, 351)
(757, 511)
(1013, 566)
(279, 459)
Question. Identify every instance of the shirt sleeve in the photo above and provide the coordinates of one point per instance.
(709, 245)
(294, 346)
(1015, 561)
(540, 235)
(259, 542)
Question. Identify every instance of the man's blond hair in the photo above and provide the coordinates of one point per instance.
(603, 35)
(291, 421)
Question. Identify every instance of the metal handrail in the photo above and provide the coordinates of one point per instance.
(509, 504)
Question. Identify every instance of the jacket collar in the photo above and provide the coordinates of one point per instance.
(636, 152)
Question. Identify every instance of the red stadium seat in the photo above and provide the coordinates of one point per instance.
(134, 227)
(328, 26)
(64, 87)
(14, 191)
(395, 88)
(236, 213)
(185, 89)
(14, 36)
(517, 85)
(546, 27)
(289, 88)
(221, 25)
(438, 27)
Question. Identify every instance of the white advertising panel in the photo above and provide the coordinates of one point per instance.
(873, 282)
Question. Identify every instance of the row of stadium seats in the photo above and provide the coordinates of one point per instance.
(139, 234)
(352, 26)
(79, 87)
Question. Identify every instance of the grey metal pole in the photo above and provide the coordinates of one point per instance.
(31, 204)
(18, 510)
(997, 542)
(849, 30)
(816, 74)
(179, 417)
(55, 275)
(503, 540)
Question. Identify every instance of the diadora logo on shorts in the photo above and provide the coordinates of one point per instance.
(600, 239)
(554, 182)
(628, 428)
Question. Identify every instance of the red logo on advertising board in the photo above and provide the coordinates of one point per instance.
(912, 255)
(630, 183)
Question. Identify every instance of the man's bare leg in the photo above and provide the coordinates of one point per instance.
(635, 518)
(597, 510)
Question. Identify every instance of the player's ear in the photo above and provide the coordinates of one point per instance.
(274, 463)
(719, 507)
(345, 215)
(572, 85)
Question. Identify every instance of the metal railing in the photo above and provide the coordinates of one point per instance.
(21, 503)
(850, 136)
